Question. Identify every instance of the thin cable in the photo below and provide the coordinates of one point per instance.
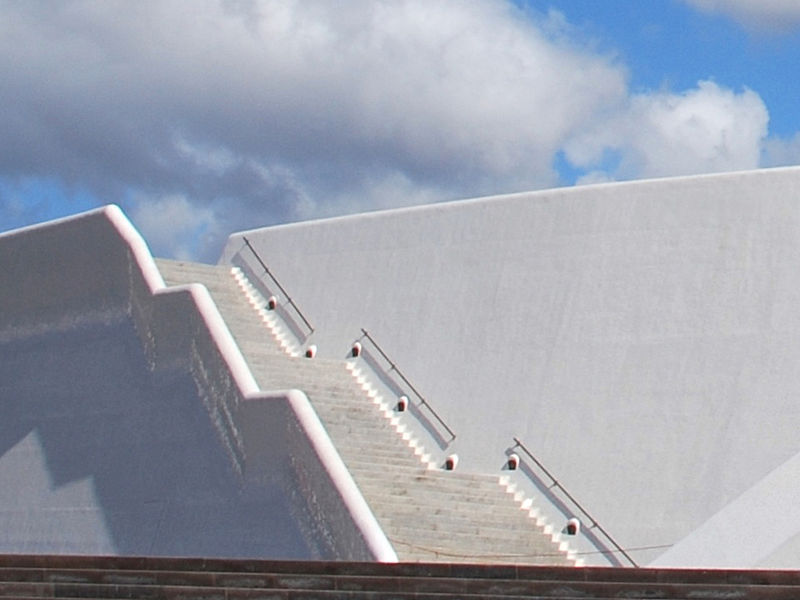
(440, 552)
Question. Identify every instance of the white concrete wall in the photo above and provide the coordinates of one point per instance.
(641, 338)
(129, 416)
(60, 274)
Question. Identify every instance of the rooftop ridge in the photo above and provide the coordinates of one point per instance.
(532, 195)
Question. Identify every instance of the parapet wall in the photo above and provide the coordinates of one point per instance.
(281, 494)
(62, 272)
(641, 338)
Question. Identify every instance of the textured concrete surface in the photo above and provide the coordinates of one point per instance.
(428, 514)
(99, 455)
(641, 338)
(131, 424)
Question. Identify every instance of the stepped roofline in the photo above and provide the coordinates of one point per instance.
(90, 281)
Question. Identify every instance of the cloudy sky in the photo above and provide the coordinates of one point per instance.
(203, 117)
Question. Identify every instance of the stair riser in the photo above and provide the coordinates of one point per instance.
(392, 478)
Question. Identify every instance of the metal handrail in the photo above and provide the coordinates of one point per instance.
(422, 400)
(595, 525)
(278, 283)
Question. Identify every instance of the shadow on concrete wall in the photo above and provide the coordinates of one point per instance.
(162, 484)
(266, 288)
(386, 377)
(587, 531)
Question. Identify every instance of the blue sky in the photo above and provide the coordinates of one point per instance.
(673, 44)
(203, 117)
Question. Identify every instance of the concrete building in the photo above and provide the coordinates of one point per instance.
(634, 341)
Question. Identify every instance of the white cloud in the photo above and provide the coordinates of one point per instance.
(171, 224)
(594, 177)
(228, 114)
(782, 152)
(379, 191)
(703, 130)
(761, 14)
(252, 108)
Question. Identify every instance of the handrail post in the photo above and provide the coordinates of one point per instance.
(518, 444)
(278, 283)
(393, 367)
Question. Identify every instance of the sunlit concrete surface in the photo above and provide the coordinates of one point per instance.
(642, 339)
(129, 421)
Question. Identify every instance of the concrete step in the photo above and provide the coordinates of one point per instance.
(499, 537)
(367, 462)
(478, 509)
(335, 394)
(432, 498)
(381, 492)
(486, 542)
(458, 478)
(337, 399)
(259, 347)
(452, 510)
(460, 520)
(352, 429)
(319, 382)
(316, 367)
(395, 477)
(182, 267)
(424, 554)
(361, 447)
(269, 370)
(465, 508)
(457, 549)
(341, 409)
(510, 531)
(355, 437)
(379, 457)
(333, 402)
(391, 491)
(340, 403)
(240, 316)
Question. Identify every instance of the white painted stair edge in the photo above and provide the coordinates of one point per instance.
(526, 504)
(268, 318)
(234, 365)
(389, 414)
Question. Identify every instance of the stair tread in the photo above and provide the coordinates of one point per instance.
(389, 473)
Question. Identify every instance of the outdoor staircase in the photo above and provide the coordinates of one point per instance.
(427, 513)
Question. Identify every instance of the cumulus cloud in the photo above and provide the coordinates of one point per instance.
(703, 130)
(761, 14)
(262, 111)
(229, 114)
(782, 152)
(172, 225)
(594, 177)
